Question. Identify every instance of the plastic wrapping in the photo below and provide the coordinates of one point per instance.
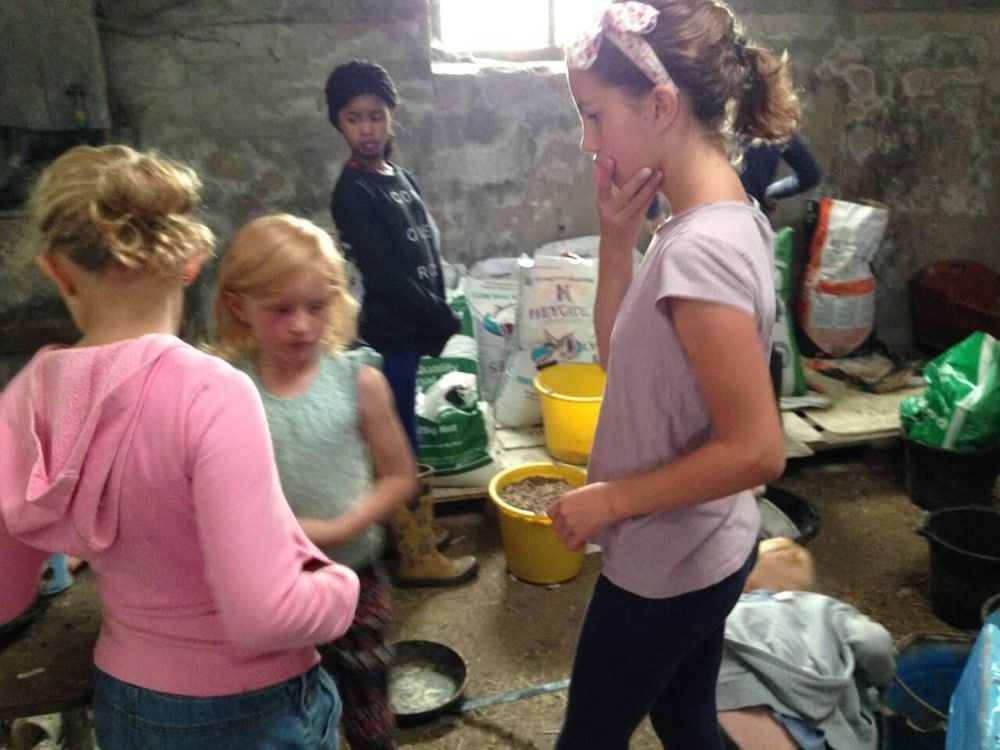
(961, 408)
(974, 716)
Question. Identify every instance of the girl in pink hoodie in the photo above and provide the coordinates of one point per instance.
(152, 461)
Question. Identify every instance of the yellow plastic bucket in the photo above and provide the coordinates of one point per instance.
(570, 396)
(533, 551)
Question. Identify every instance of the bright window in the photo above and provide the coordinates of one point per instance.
(511, 25)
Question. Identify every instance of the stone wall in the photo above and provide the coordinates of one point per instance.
(900, 95)
(901, 106)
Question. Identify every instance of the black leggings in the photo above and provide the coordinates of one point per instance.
(638, 656)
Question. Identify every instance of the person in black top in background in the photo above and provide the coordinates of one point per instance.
(760, 162)
(388, 233)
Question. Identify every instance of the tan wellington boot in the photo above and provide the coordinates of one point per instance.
(442, 538)
(420, 563)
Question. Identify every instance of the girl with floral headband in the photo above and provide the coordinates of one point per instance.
(688, 423)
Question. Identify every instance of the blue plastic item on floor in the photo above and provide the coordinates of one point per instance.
(58, 577)
(974, 718)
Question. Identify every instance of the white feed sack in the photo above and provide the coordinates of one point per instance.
(555, 324)
(582, 247)
(491, 289)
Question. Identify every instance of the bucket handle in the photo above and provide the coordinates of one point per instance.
(943, 724)
(935, 539)
(926, 531)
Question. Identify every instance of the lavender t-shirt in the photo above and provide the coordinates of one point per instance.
(653, 410)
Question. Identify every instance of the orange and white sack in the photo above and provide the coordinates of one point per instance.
(838, 293)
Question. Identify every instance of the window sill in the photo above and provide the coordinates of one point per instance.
(476, 66)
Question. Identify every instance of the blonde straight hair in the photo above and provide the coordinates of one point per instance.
(266, 255)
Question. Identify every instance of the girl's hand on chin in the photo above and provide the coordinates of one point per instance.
(622, 212)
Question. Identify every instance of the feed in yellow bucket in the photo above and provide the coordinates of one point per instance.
(570, 396)
(533, 551)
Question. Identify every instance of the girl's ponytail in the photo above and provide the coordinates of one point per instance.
(142, 209)
(767, 107)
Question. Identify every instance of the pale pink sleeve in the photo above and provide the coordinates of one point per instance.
(701, 268)
(20, 564)
(274, 589)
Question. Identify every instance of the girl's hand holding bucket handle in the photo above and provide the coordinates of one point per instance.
(578, 515)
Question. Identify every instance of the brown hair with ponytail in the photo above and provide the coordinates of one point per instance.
(738, 91)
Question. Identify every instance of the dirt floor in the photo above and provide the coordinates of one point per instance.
(515, 635)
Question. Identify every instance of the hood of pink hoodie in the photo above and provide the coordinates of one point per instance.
(63, 421)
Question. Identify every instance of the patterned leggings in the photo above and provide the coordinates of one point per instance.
(359, 662)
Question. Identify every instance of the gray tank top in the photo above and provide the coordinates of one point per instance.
(323, 460)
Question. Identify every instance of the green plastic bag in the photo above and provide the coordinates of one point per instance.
(793, 378)
(960, 410)
(454, 439)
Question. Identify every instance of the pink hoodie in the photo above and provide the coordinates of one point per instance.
(152, 461)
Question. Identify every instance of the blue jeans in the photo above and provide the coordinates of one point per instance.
(299, 714)
(637, 656)
(401, 372)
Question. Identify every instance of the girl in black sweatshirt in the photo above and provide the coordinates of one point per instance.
(390, 236)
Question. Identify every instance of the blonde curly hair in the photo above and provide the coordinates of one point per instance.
(113, 206)
(263, 257)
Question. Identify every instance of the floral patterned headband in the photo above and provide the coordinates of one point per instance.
(624, 25)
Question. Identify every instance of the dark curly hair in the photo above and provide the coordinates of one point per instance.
(358, 78)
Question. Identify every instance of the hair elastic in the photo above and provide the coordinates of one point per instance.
(624, 25)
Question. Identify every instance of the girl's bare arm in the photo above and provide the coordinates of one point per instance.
(747, 446)
(392, 458)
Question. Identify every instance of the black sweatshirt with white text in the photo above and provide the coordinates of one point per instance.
(387, 231)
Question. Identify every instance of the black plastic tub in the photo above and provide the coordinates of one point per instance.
(937, 478)
(799, 511)
(964, 562)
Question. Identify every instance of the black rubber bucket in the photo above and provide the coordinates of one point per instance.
(964, 562)
(937, 478)
(799, 511)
